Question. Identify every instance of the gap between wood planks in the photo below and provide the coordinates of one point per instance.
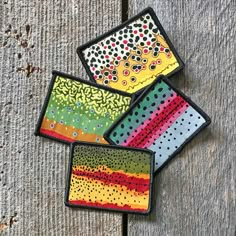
(124, 17)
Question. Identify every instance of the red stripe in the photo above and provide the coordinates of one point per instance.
(131, 182)
(55, 135)
(157, 122)
(106, 205)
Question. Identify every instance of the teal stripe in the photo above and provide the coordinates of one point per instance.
(134, 120)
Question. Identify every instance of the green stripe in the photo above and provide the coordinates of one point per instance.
(67, 92)
(116, 159)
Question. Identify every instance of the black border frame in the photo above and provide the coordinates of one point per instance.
(141, 97)
(67, 76)
(110, 32)
(67, 188)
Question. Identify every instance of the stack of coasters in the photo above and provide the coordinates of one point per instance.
(77, 109)
(110, 178)
(162, 119)
(132, 55)
(121, 64)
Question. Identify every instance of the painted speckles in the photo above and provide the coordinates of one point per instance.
(81, 111)
(130, 58)
(183, 127)
(110, 178)
(162, 121)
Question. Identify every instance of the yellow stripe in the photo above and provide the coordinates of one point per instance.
(82, 188)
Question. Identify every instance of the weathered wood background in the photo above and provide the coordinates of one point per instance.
(194, 194)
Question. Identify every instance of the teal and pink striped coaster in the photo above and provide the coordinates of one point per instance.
(162, 119)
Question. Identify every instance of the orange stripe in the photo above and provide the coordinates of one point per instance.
(67, 132)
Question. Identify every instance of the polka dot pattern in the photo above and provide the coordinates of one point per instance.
(110, 178)
(142, 111)
(130, 58)
(186, 124)
(161, 121)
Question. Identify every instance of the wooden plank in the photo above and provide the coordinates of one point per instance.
(195, 193)
(36, 37)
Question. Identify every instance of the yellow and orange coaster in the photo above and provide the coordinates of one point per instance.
(79, 110)
(110, 177)
(132, 55)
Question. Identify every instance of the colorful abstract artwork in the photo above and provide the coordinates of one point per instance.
(131, 56)
(162, 120)
(79, 110)
(110, 177)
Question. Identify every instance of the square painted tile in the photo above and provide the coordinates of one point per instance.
(110, 178)
(162, 119)
(77, 109)
(132, 55)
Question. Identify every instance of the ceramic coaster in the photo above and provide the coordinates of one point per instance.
(162, 119)
(130, 56)
(77, 109)
(110, 177)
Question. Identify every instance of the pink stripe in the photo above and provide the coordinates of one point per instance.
(159, 124)
(166, 125)
(152, 116)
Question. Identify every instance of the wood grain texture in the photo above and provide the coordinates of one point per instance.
(36, 37)
(195, 193)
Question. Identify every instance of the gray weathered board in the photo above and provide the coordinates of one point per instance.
(36, 37)
(195, 193)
